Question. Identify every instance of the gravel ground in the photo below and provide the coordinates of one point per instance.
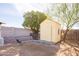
(29, 48)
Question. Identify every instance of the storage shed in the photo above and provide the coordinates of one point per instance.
(50, 31)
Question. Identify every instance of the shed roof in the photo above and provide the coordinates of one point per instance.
(52, 21)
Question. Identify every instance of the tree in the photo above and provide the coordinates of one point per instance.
(33, 20)
(68, 15)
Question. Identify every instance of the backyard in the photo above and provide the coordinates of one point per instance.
(38, 48)
(52, 31)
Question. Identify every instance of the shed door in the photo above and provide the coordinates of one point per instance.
(46, 32)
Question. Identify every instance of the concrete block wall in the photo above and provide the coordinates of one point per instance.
(10, 34)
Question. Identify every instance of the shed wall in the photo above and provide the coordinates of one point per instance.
(50, 31)
(45, 31)
(56, 31)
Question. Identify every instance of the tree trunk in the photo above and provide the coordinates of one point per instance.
(35, 35)
(64, 36)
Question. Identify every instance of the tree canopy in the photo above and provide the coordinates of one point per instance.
(67, 13)
(33, 20)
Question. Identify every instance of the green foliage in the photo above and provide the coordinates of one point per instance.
(33, 20)
(68, 14)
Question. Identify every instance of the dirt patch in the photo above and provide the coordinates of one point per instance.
(28, 49)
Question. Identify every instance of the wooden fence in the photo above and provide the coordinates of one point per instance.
(73, 35)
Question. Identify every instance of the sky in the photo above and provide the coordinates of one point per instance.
(12, 13)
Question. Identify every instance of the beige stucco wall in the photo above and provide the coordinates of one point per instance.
(49, 31)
